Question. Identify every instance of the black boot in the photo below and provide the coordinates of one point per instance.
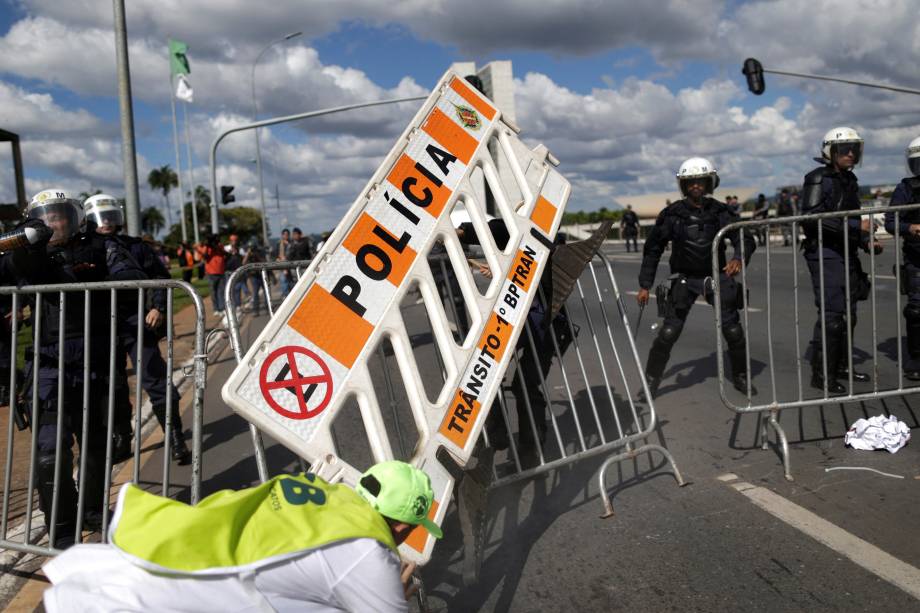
(912, 318)
(66, 525)
(95, 496)
(121, 443)
(658, 357)
(737, 357)
(834, 349)
(179, 451)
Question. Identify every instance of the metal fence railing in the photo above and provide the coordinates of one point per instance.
(586, 391)
(74, 395)
(838, 283)
(260, 272)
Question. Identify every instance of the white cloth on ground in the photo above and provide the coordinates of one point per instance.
(355, 575)
(878, 432)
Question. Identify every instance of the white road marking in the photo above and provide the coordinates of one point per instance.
(865, 554)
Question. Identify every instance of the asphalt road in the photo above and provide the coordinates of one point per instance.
(723, 545)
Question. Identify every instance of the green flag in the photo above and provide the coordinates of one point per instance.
(178, 62)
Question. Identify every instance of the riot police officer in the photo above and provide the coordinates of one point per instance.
(833, 187)
(690, 225)
(104, 212)
(71, 256)
(629, 227)
(908, 192)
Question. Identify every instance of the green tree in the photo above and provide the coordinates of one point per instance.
(152, 220)
(163, 179)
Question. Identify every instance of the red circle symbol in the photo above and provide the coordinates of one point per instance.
(282, 375)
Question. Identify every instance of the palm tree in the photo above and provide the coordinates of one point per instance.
(163, 179)
(152, 220)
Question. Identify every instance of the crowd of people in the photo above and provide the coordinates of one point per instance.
(216, 261)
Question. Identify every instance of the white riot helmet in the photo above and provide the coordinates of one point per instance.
(60, 212)
(697, 168)
(103, 210)
(913, 157)
(840, 140)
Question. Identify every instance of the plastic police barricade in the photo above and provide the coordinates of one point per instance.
(313, 355)
(73, 414)
(783, 356)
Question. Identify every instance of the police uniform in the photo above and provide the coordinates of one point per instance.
(84, 258)
(908, 192)
(154, 374)
(691, 230)
(826, 190)
(631, 229)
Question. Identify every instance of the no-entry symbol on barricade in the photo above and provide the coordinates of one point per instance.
(295, 382)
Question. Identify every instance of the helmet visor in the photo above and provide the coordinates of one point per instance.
(914, 165)
(848, 148)
(705, 182)
(62, 217)
(112, 218)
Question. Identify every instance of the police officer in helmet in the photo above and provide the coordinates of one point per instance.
(833, 187)
(71, 256)
(908, 192)
(690, 225)
(106, 215)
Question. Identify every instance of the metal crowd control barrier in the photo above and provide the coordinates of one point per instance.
(241, 275)
(25, 536)
(882, 383)
(590, 401)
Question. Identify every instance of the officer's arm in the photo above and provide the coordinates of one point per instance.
(745, 247)
(154, 268)
(900, 196)
(655, 245)
(121, 264)
(817, 194)
(497, 227)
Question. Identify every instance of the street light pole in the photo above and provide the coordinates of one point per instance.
(255, 117)
(212, 160)
(128, 153)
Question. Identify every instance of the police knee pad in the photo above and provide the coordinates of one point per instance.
(912, 312)
(835, 324)
(733, 333)
(669, 333)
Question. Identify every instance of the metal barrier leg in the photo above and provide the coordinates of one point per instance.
(628, 455)
(783, 444)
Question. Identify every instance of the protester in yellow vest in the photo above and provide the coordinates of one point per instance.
(292, 543)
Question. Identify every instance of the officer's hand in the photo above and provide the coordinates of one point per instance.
(642, 297)
(866, 224)
(405, 576)
(154, 318)
(44, 232)
(732, 268)
(877, 248)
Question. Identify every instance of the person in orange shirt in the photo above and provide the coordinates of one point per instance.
(186, 257)
(215, 267)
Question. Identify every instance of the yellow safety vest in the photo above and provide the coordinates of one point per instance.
(234, 531)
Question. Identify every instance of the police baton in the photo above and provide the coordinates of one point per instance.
(639, 321)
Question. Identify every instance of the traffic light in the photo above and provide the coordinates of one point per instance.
(753, 71)
(226, 194)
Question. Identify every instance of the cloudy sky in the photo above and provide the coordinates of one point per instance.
(619, 91)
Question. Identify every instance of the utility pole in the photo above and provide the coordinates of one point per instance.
(128, 154)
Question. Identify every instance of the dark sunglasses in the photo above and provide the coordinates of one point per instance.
(848, 148)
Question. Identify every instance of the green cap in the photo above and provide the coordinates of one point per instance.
(399, 491)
